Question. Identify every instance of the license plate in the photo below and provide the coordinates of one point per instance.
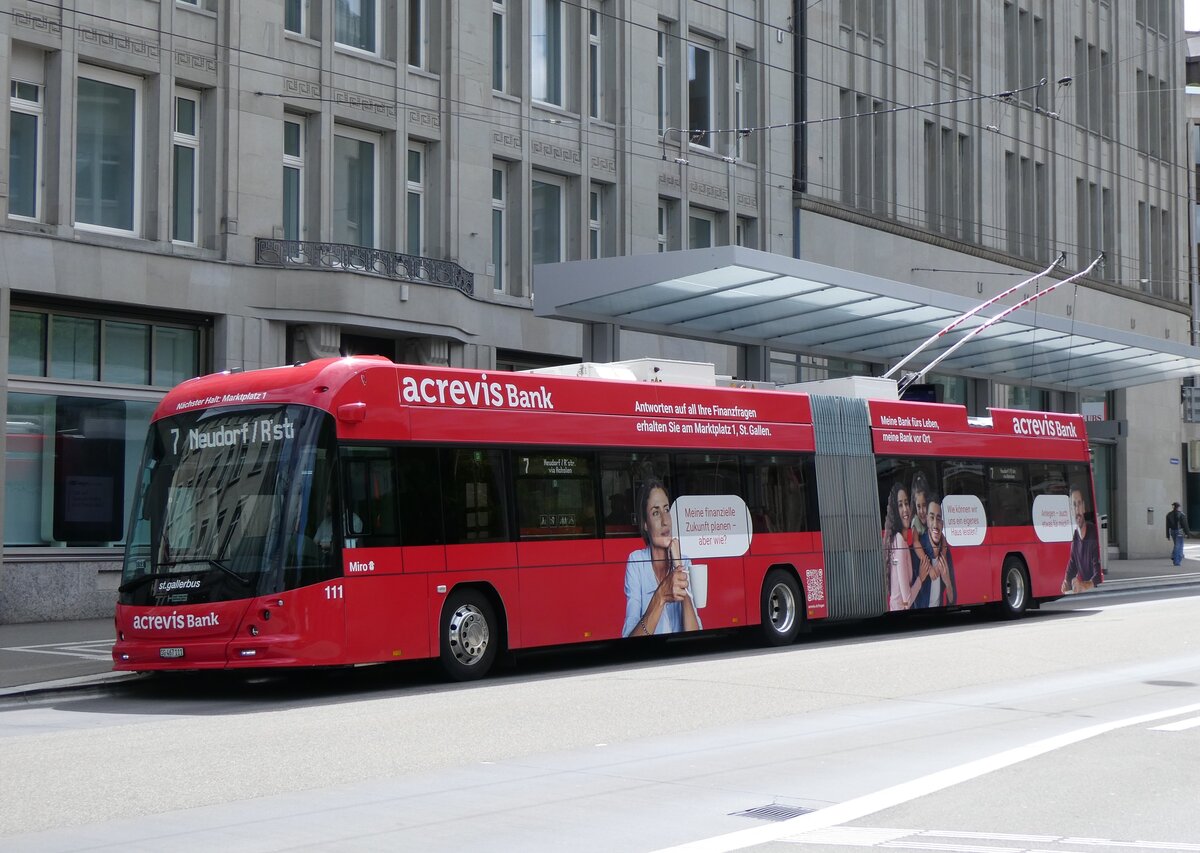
(173, 652)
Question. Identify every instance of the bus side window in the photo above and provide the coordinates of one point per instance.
(369, 516)
(781, 493)
(476, 506)
(1008, 495)
(1047, 478)
(420, 496)
(964, 477)
(707, 474)
(621, 475)
(555, 495)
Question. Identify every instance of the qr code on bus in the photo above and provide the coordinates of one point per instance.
(814, 584)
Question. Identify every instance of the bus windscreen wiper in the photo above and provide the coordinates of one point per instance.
(137, 582)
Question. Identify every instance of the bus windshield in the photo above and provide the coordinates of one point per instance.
(232, 503)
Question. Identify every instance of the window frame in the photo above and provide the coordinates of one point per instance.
(499, 226)
(414, 191)
(553, 90)
(375, 140)
(708, 217)
(121, 80)
(301, 12)
(596, 76)
(559, 182)
(499, 46)
(191, 142)
(664, 90)
(700, 135)
(375, 27)
(418, 34)
(596, 221)
(17, 104)
(294, 162)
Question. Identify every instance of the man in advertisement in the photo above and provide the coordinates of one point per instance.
(1083, 567)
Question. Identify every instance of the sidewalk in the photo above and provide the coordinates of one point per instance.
(41, 657)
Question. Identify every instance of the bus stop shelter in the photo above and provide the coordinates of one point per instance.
(763, 302)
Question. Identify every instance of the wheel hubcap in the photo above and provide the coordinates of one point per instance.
(1014, 589)
(469, 634)
(781, 608)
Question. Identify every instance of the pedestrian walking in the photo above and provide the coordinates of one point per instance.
(1177, 529)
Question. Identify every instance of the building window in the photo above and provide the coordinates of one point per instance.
(549, 219)
(1027, 207)
(867, 18)
(90, 348)
(293, 178)
(597, 198)
(664, 92)
(499, 227)
(1025, 51)
(747, 232)
(70, 466)
(295, 16)
(949, 182)
(24, 150)
(595, 67)
(1155, 251)
(414, 199)
(1154, 15)
(1094, 100)
(355, 23)
(668, 225)
(949, 35)
(70, 461)
(355, 188)
(107, 152)
(739, 102)
(1154, 115)
(1096, 226)
(499, 43)
(702, 229)
(546, 51)
(185, 173)
(701, 96)
(418, 37)
(865, 153)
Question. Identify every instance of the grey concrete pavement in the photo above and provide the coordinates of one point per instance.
(44, 657)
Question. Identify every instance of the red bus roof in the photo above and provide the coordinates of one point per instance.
(374, 399)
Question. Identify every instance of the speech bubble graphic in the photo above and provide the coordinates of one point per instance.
(711, 525)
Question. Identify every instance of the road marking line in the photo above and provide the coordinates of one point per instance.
(87, 649)
(1178, 726)
(860, 807)
(990, 836)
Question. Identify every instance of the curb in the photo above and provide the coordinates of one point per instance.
(98, 684)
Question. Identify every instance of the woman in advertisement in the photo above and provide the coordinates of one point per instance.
(657, 598)
(897, 530)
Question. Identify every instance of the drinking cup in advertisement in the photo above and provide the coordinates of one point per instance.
(698, 584)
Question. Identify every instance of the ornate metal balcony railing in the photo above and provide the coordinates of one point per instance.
(342, 256)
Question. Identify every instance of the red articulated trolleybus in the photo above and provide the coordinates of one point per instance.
(352, 511)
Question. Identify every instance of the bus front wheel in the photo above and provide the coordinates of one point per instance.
(1014, 589)
(469, 635)
(782, 617)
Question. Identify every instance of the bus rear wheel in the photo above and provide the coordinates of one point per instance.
(469, 635)
(1014, 589)
(782, 617)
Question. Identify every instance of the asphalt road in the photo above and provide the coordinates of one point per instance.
(948, 732)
